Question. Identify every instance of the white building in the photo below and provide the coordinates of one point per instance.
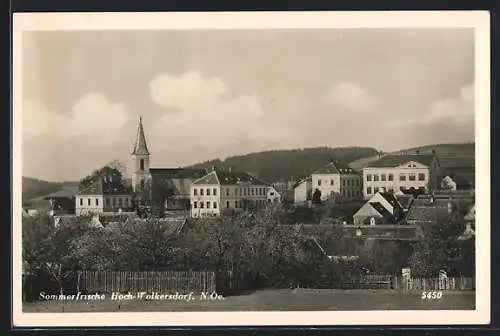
(103, 196)
(302, 191)
(337, 181)
(219, 191)
(273, 195)
(399, 172)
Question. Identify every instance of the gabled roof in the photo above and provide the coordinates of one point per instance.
(381, 209)
(140, 147)
(391, 161)
(389, 197)
(227, 178)
(427, 214)
(210, 178)
(179, 173)
(405, 201)
(100, 187)
(335, 167)
(307, 179)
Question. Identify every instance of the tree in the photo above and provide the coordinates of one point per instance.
(161, 190)
(316, 197)
(48, 247)
(440, 248)
(113, 173)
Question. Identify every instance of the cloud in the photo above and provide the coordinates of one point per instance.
(190, 91)
(457, 110)
(92, 115)
(349, 95)
(208, 116)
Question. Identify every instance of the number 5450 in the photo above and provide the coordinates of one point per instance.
(432, 295)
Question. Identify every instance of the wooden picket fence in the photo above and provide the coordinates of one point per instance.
(167, 281)
(454, 284)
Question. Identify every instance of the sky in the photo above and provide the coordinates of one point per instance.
(214, 94)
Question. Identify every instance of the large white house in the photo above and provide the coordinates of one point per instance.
(103, 196)
(338, 181)
(399, 172)
(225, 190)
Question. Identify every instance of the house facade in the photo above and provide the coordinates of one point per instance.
(302, 191)
(218, 191)
(381, 208)
(273, 195)
(400, 172)
(103, 196)
(337, 181)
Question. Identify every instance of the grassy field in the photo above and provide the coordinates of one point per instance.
(274, 300)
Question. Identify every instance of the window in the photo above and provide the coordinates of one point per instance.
(227, 191)
(215, 205)
(343, 182)
(195, 191)
(208, 192)
(142, 184)
(202, 205)
(391, 177)
(97, 202)
(215, 192)
(208, 205)
(375, 190)
(119, 202)
(319, 182)
(195, 204)
(391, 189)
(253, 190)
(271, 193)
(369, 177)
(331, 182)
(227, 205)
(81, 201)
(201, 192)
(141, 164)
(369, 190)
(375, 177)
(107, 202)
(88, 201)
(402, 177)
(421, 177)
(412, 177)
(382, 177)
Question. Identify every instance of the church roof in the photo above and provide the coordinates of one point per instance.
(140, 147)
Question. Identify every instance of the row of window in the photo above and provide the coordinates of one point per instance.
(346, 182)
(202, 205)
(237, 204)
(250, 191)
(205, 191)
(109, 202)
(384, 189)
(390, 177)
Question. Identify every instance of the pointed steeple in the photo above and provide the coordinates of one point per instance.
(140, 147)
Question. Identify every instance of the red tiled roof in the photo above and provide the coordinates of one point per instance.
(179, 173)
(397, 160)
(426, 214)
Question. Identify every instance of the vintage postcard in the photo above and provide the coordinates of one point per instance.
(217, 169)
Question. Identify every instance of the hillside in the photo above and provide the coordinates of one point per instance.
(449, 155)
(34, 189)
(277, 165)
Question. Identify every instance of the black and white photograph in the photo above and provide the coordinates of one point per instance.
(251, 168)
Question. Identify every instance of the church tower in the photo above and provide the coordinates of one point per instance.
(141, 160)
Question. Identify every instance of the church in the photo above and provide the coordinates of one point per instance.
(169, 187)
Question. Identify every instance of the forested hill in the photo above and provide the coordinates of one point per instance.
(277, 165)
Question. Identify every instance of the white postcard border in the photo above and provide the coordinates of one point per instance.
(479, 20)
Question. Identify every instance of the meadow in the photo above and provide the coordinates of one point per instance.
(274, 300)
